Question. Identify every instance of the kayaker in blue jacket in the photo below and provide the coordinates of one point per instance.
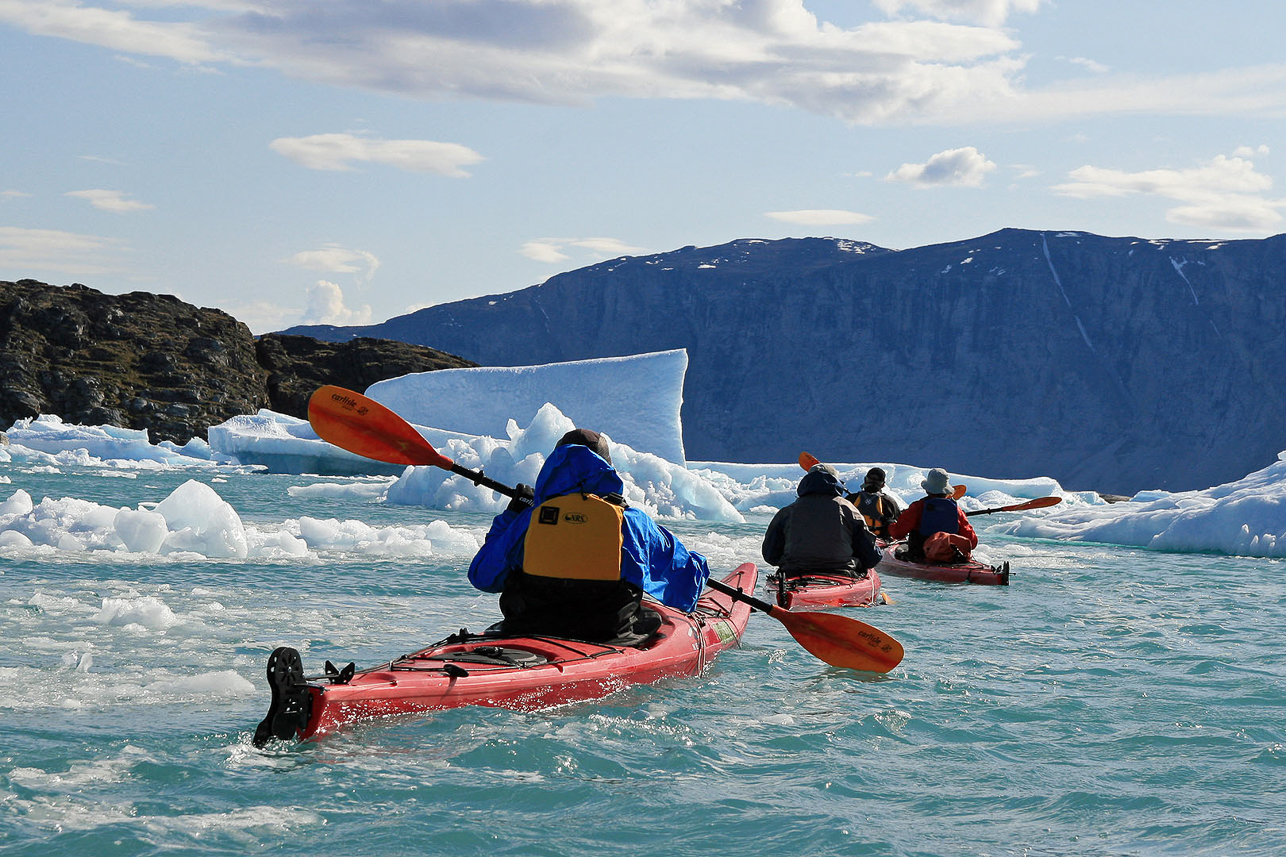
(577, 562)
(821, 531)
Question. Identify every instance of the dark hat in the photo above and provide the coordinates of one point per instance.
(875, 476)
(587, 437)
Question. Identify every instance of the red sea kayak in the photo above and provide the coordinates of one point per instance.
(824, 590)
(520, 673)
(964, 572)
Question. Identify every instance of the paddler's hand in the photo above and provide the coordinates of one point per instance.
(523, 498)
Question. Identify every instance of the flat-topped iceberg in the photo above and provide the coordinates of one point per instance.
(636, 399)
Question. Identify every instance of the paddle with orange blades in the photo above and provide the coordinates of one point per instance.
(808, 461)
(1038, 503)
(838, 640)
(362, 425)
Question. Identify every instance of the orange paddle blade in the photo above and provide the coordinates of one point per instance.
(363, 426)
(958, 492)
(841, 641)
(1038, 503)
(808, 461)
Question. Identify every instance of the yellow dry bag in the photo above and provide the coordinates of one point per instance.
(575, 536)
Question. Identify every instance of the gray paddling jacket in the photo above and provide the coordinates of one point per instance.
(820, 532)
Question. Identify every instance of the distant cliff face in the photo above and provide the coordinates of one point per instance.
(1115, 364)
(147, 361)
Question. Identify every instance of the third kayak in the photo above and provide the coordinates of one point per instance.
(964, 572)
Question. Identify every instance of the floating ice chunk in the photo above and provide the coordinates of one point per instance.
(18, 504)
(147, 611)
(140, 530)
(201, 521)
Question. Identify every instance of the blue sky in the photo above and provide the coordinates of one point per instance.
(348, 161)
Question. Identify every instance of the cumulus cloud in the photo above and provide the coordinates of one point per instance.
(341, 151)
(551, 250)
(326, 306)
(27, 251)
(820, 217)
(1249, 152)
(1225, 193)
(110, 200)
(965, 167)
(334, 259)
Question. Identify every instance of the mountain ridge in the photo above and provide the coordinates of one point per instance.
(1111, 363)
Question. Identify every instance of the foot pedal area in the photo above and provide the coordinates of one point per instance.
(291, 701)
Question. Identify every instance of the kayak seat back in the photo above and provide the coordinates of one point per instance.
(576, 537)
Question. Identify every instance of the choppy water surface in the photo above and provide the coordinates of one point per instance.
(1110, 702)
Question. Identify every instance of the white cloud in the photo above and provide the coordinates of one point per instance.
(551, 250)
(990, 13)
(820, 217)
(567, 52)
(49, 251)
(543, 251)
(340, 151)
(13, 194)
(1249, 152)
(110, 200)
(1225, 193)
(326, 306)
(111, 28)
(964, 167)
(956, 62)
(334, 259)
(1088, 64)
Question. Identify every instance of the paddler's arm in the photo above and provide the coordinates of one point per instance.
(669, 572)
(497, 556)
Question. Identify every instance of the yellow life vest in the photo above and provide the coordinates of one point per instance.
(575, 536)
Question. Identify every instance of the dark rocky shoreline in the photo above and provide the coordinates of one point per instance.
(151, 361)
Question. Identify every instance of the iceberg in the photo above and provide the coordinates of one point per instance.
(636, 399)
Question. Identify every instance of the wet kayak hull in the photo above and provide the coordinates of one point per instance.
(521, 673)
(824, 590)
(965, 572)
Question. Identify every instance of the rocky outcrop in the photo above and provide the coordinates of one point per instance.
(151, 361)
(1113, 364)
(298, 365)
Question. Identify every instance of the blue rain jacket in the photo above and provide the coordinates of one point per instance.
(651, 557)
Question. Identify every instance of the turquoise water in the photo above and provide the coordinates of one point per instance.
(1110, 702)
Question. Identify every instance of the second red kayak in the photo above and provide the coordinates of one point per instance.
(521, 673)
(824, 590)
(964, 572)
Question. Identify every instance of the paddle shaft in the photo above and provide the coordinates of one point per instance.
(738, 595)
(477, 477)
